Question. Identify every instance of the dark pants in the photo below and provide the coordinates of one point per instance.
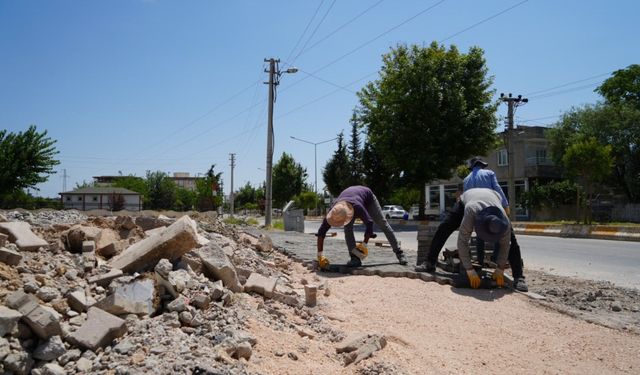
(452, 222)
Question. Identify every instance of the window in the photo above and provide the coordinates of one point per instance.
(541, 155)
(79, 199)
(68, 198)
(95, 199)
(503, 158)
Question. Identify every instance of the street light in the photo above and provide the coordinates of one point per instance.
(274, 80)
(315, 158)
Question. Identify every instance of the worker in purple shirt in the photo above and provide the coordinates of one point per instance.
(356, 202)
(479, 177)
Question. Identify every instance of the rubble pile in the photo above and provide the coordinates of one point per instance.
(125, 295)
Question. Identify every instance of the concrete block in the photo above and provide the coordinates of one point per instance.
(105, 278)
(8, 320)
(219, 266)
(76, 235)
(100, 329)
(10, 257)
(177, 239)
(49, 349)
(136, 297)
(88, 246)
(108, 250)
(79, 301)
(154, 231)
(260, 284)
(20, 233)
(44, 321)
(89, 261)
(310, 295)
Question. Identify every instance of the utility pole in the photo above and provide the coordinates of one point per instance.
(512, 103)
(274, 80)
(64, 180)
(231, 195)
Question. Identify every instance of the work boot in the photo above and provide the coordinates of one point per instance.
(520, 285)
(426, 267)
(402, 259)
(354, 262)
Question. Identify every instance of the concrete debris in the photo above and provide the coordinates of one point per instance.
(261, 285)
(9, 256)
(100, 329)
(177, 239)
(264, 245)
(53, 369)
(137, 296)
(3, 239)
(79, 301)
(8, 320)
(105, 278)
(310, 295)
(108, 250)
(43, 320)
(49, 349)
(219, 266)
(20, 233)
(360, 347)
(75, 237)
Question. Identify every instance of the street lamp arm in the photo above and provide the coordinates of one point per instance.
(301, 140)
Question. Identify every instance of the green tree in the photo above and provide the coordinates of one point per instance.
(26, 159)
(377, 176)
(405, 196)
(288, 179)
(588, 162)
(356, 167)
(161, 191)
(209, 190)
(623, 87)
(185, 199)
(246, 195)
(336, 173)
(307, 200)
(430, 109)
(132, 183)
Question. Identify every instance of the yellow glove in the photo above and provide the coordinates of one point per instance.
(323, 262)
(360, 251)
(498, 276)
(474, 279)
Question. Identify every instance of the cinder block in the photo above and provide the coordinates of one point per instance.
(260, 284)
(20, 233)
(8, 320)
(10, 257)
(100, 329)
(88, 246)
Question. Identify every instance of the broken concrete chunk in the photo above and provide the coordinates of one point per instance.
(219, 266)
(163, 268)
(201, 301)
(43, 320)
(135, 297)
(310, 295)
(154, 231)
(18, 363)
(217, 290)
(105, 278)
(20, 233)
(179, 304)
(177, 239)
(79, 301)
(10, 257)
(100, 329)
(125, 222)
(53, 369)
(361, 347)
(50, 349)
(261, 285)
(78, 234)
(108, 250)
(264, 244)
(8, 320)
(148, 222)
(3, 239)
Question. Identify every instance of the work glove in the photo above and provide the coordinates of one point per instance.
(474, 279)
(323, 262)
(498, 276)
(360, 251)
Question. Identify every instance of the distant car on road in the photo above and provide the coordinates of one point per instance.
(393, 212)
(430, 213)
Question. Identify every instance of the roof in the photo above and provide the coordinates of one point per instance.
(101, 190)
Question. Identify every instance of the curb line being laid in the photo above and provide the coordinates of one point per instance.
(607, 232)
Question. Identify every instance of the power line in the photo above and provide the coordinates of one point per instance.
(313, 33)
(554, 93)
(568, 84)
(305, 30)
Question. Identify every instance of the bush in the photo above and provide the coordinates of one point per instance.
(553, 194)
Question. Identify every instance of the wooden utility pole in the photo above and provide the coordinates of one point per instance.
(231, 195)
(511, 103)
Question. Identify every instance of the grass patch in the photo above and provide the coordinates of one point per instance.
(277, 224)
(237, 220)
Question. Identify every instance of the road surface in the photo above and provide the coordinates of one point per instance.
(614, 261)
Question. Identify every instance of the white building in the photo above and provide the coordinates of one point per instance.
(91, 198)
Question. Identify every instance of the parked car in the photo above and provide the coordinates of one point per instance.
(394, 212)
(430, 213)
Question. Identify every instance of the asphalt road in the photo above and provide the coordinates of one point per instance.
(614, 261)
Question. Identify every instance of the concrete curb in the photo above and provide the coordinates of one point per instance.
(607, 232)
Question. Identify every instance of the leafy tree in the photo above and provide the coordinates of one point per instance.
(132, 183)
(161, 190)
(209, 190)
(288, 179)
(336, 174)
(26, 159)
(185, 199)
(430, 110)
(623, 87)
(377, 176)
(355, 154)
(246, 196)
(307, 200)
(84, 184)
(589, 162)
(553, 194)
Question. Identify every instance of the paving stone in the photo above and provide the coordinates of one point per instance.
(100, 329)
(43, 320)
(260, 284)
(135, 297)
(218, 266)
(20, 233)
(88, 246)
(179, 238)
(105, 278)
(310, 295)
(10, 257)
(8, 320)
(53, 369)
(79, 301)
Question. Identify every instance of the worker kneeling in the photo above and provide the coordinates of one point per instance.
(483, 212)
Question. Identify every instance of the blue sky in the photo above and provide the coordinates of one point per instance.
(176, 86)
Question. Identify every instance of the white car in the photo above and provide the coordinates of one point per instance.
(393, 212)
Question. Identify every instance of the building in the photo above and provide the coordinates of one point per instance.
(103, 197)
(532, 164)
